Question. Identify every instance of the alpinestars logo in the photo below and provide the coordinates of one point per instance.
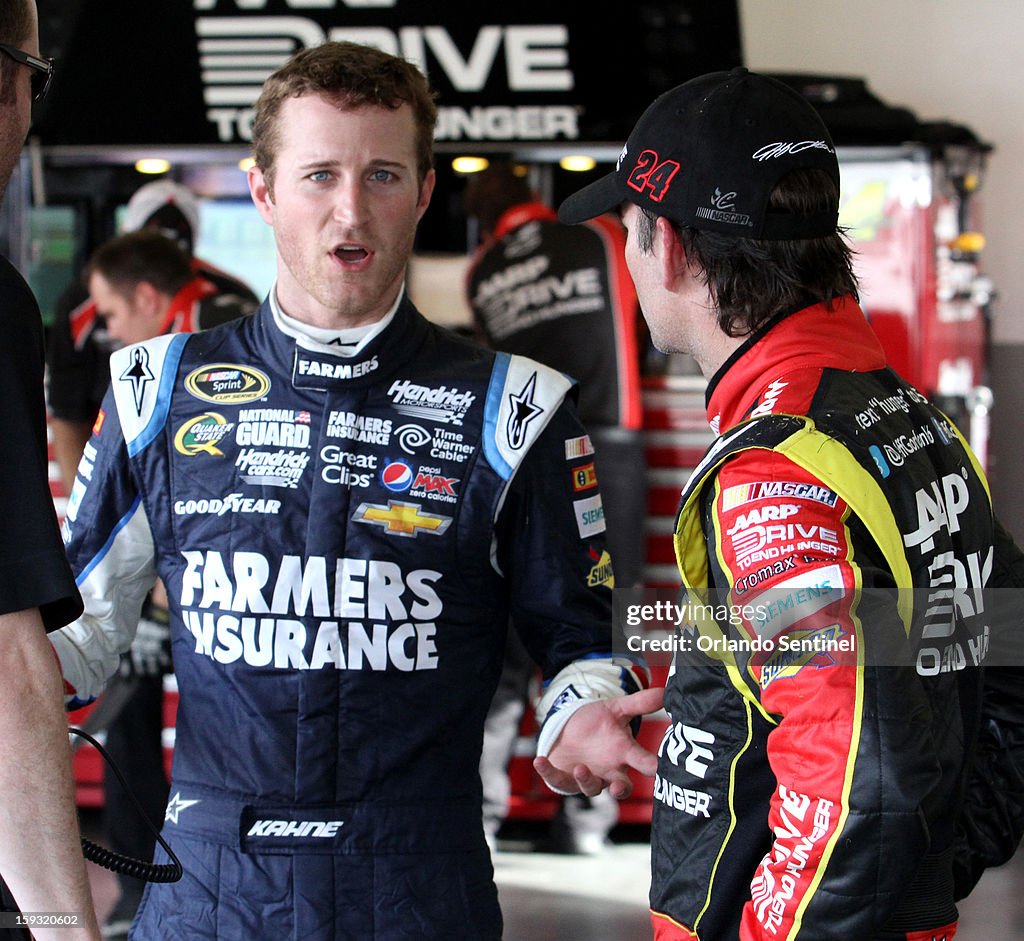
(524, 411)
(176, 805)
(139, 375)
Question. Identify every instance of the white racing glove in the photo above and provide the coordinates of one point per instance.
(582, 682)
(150, 652)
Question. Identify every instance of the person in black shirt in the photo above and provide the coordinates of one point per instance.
(40, 856)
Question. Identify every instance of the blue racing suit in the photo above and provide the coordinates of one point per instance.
(342, 540)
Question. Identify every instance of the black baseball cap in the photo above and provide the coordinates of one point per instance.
(708, 153)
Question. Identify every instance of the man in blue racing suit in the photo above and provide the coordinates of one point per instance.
(345, 503)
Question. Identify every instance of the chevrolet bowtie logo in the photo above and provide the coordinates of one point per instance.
(401, 518)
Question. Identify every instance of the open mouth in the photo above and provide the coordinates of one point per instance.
(351, 253)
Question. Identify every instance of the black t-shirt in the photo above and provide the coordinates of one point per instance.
(34, 572)
(562, 295)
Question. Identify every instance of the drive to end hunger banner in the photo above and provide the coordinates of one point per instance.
(190, 71)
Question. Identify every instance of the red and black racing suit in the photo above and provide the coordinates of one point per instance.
(825, 703)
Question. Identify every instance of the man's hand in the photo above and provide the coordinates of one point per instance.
(596, 749)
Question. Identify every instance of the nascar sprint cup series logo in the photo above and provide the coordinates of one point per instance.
(227, 384)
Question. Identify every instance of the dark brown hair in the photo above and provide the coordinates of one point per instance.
(752, 281)
(146, 255)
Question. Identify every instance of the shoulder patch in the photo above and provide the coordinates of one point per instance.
(141, 376)
(522, 397)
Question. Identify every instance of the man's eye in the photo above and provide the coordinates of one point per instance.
(319, 176)
(381, 176)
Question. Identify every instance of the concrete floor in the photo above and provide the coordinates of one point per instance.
(604, 898)
(547, 897)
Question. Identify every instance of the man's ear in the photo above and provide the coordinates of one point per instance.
(146, 298)
(426, 191)
(260, 191)
(669, 248)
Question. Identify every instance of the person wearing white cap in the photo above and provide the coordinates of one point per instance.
(839, 762)
(167, 206)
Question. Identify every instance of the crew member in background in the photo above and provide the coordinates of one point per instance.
(344, 502)
(842, 761)
(78, 346)
(143, 285)
(41, 859)
(562, 295)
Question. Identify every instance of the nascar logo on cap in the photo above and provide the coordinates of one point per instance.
(396, 476)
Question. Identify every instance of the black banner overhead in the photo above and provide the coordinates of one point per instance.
(187, 72)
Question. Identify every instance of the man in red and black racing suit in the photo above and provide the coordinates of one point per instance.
(856, 755)
(841, 762)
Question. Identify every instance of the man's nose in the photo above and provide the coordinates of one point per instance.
(350, 202)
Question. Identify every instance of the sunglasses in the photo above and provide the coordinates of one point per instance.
(42, 69)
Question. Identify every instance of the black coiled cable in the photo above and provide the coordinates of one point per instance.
(118, 862)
